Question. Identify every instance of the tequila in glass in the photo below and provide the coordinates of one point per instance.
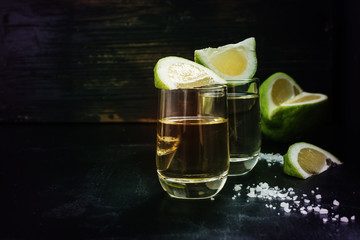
(191, 160)
(192, 155)
(244, 128)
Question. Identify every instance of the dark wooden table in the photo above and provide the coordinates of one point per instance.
(98, 181)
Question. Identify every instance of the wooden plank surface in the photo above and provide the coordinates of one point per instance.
(92, 61)
(99, 181)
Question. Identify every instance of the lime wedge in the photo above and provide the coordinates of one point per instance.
(287, 111)
(303, 160)
(275, 90)
(176, 72)
(232, 61)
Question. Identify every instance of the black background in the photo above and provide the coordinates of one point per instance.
(92, 61)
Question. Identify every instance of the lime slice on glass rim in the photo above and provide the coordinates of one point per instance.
(232, 61)
(176, 72)
(287, 111)
(303, 160)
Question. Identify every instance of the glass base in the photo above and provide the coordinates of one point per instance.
(242, 165)
(201, 188)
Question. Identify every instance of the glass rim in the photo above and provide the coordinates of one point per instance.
(206, 87)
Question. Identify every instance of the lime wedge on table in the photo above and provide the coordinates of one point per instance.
(287, 111)
(304, 160)
(232, 61)
(176, 72)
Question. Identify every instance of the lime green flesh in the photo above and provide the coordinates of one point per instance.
(281, 91)
(304, 99)
(311, 160)
(185, 74)
(231, 62)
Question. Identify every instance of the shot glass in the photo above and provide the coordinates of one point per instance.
(192, 156)
(244, 125)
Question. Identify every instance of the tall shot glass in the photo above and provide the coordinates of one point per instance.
(244, 125)
(192, 156)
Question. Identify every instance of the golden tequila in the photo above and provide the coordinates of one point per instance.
(192, 155)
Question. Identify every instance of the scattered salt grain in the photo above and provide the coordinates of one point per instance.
(316, 209)
(303, 212)
(318, 196)
(352, 218)
(284, 204)
(336, 203)
(325, 220)
(344, 219)
(237, 187)
(282, 195)
(324, 211)
(251, 193)
(287, 210)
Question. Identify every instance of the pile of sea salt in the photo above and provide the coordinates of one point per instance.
(287, 201)
(271, 158)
